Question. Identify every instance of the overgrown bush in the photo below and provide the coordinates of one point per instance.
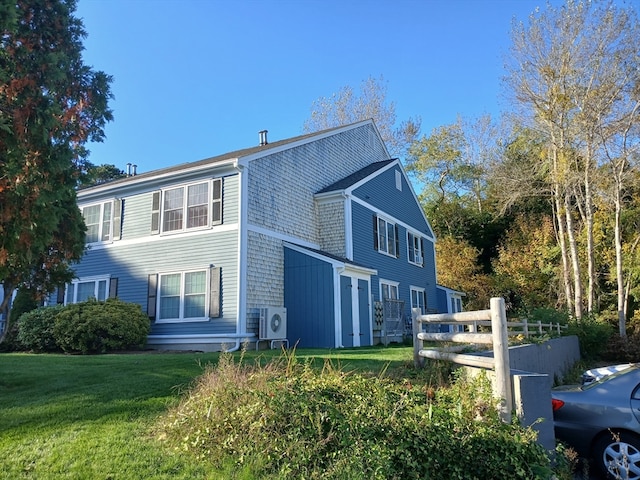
(290, 420)
(35, 329)
(593, 335)
(97, 327)
(622, 349)
(548, 315)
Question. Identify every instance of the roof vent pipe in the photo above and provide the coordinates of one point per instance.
(134, 172)
(263, 137)
(128, 169)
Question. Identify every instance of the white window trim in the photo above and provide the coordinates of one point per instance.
(386, 233)
(181, 318)
(421, 290)
(71, 294)
(390, 283)
(101, 223)
(410, 247)
(210, 202)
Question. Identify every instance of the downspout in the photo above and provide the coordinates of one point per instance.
(234, 349)
(243, 206)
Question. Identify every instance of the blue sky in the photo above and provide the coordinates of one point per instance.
(198, 78)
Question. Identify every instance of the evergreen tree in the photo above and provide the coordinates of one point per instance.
(51, 104)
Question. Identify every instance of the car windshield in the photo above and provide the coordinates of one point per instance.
(606, 378)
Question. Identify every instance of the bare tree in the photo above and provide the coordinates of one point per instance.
(370, 102)
(569, 69)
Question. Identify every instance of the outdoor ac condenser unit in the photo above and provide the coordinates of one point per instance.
(273, 323)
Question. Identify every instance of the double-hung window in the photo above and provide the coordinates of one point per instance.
(419, 299)
(415, 249)
(386, 236)
(388, 290)
(102, 221)
(187, 207)
(186, 296)
(81, 290)
(183, 296)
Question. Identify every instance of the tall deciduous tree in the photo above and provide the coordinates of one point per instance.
(452, 162)
(574, 70)
(370, 102)
(458, 268)
(525, 266)
(51, 104)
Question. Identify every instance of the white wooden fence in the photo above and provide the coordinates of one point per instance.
(498, 338)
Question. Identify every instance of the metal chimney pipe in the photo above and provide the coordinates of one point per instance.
(263, 137)
(135, 170)
(128, 169)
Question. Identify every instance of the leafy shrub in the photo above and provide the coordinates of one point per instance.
(98, 327)
(11, 342)
(622, 349)
(290, 420)
(548, 315)
(35, 329)
(23, 302)
(593, 335)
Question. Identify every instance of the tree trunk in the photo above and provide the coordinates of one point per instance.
(566, 277)
(5, 307)
(622, 314)
(588, 210)
(575, 260)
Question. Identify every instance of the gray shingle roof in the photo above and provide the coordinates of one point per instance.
(357, 176)
(221, 158)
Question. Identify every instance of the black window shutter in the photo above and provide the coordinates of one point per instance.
(375, 233)
(117, 218)
(397, 241)
(214, 293)
(422, 250)
(60, 296)
(151, 295)
(155, 213)
(113, 287)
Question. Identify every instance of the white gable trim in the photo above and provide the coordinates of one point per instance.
(349, 191)
(392, 219)
(342, 267)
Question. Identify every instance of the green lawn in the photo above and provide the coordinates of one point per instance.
(91, 417)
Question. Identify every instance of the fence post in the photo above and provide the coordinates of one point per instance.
(501, 357)
(418, 361)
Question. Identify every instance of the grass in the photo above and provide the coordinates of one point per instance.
(91, 417)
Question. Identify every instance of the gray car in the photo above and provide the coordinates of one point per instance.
(601, 421)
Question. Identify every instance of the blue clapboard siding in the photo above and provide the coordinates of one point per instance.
(381, 193)
(132, 263)
(388, 267)
(139, 254)
(308, 287)
(136, 216)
